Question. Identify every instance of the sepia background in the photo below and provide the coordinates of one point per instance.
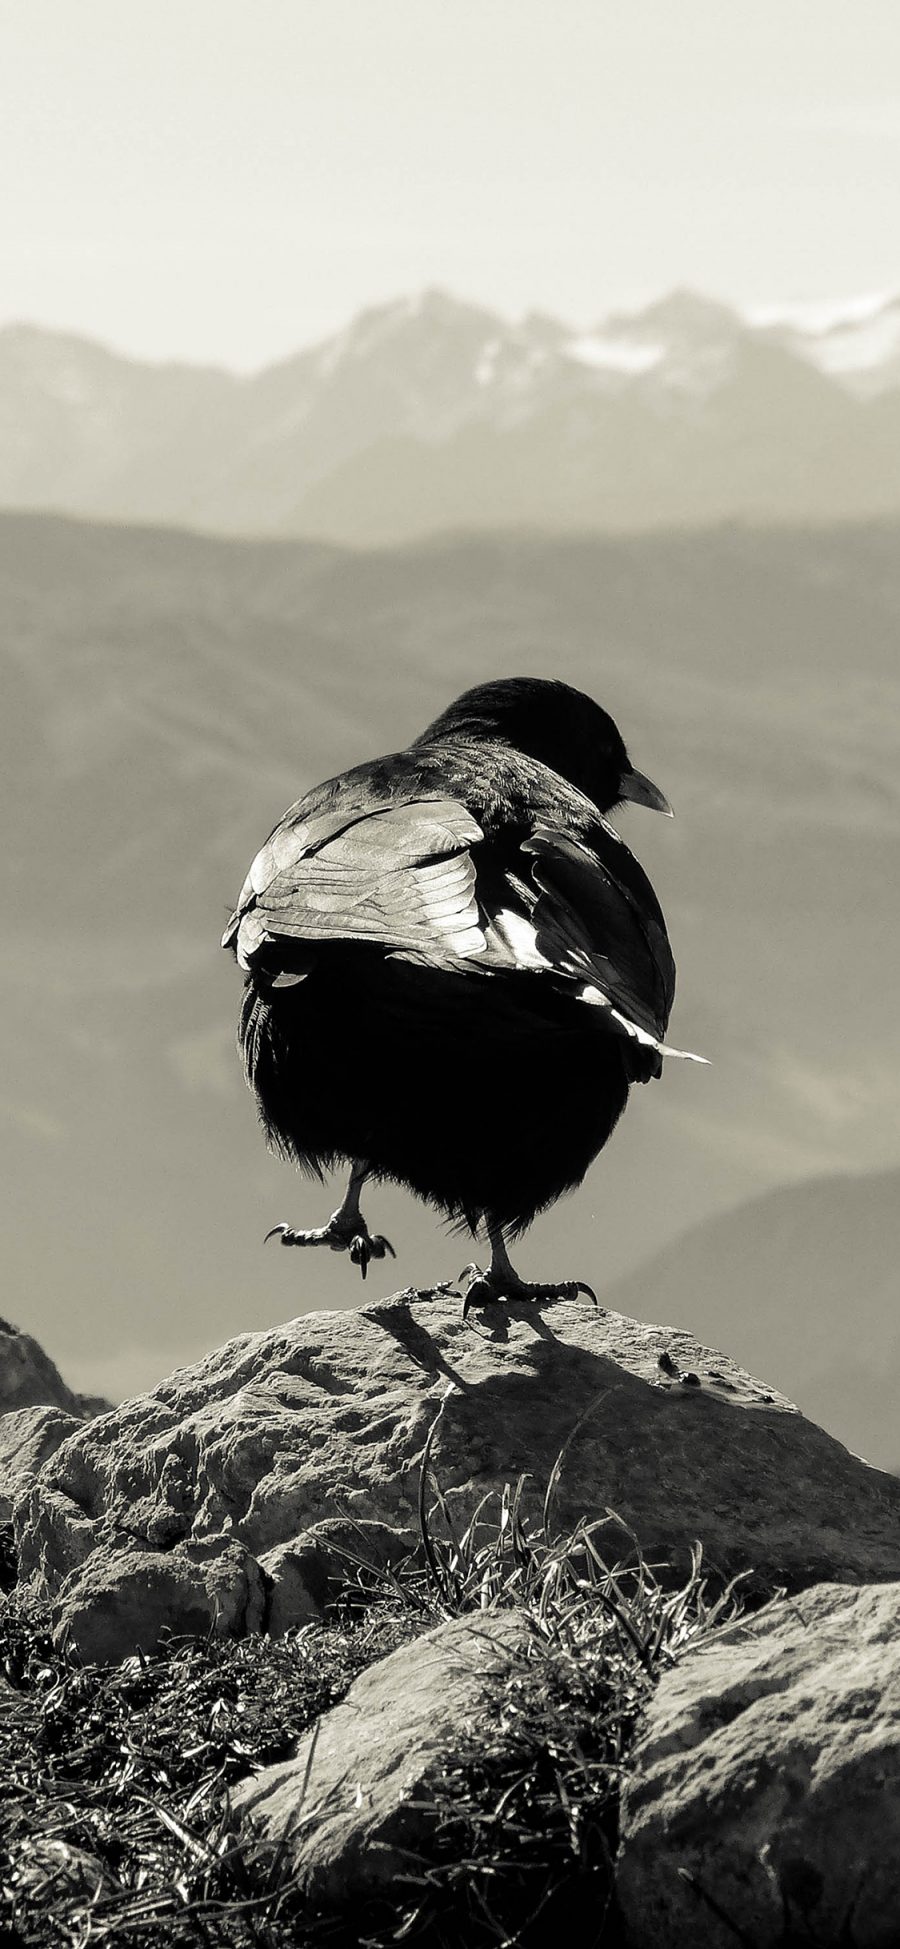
(354, 352)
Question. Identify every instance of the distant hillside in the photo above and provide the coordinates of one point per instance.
(431, 414)
(803, 1286)
(165, 696)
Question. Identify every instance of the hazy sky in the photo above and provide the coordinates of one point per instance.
(227, 179)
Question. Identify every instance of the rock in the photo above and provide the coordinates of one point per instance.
(29, 1378)
(354, 1801)
(39, 1867)
(280, 1440)
(37, 1412)
(301, 1576)
(28, 1436)
(133, 1595)
(763, 1801)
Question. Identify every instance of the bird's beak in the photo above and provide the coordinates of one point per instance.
(639, 790)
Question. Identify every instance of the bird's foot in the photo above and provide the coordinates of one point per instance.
(340, 1236)
(489, 1288)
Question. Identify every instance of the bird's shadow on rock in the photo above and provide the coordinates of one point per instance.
(493, 1321)
(490, 1323)
(395, 1317)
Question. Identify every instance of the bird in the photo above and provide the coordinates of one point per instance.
(455, 970)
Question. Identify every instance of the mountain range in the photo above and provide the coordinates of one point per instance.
(166, 695)
(812, 1270)
(431, 414)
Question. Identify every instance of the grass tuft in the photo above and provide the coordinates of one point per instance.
(115, 1814)
(115, 1818)
(527, 1813)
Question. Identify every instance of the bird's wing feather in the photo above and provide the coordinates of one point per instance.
(399, 876)
(587, 916)
(597, 925)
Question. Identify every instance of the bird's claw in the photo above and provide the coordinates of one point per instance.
(479, 1291)
(369, 1245)
(280, 1231)
(361, 1244)
(572, 1287)
(490, 1288)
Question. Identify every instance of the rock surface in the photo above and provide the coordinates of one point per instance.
(349, 1807)
(29, 1378)
(37, 1412)
(28, 1437)
(763, 1803)
(279, 1440)
(130, 1595)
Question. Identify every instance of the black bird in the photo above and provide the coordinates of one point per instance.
(456, 969)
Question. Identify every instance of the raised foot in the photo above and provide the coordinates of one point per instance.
(490, 1288)
(356, 1239)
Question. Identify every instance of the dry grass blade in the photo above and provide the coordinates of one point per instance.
(443, 1580)
(557, 1469)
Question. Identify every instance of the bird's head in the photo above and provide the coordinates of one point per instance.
(561, 728)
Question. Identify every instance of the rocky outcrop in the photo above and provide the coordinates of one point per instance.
(352, 1808)
(28, 1437)
(37, 1412)
(132, 1595)
(763, 1804)
(29, 1378)
(762, 1799)
(239, 1484)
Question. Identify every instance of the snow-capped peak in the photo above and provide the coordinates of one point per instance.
(815, 316)
(855, 341)
(610, 351)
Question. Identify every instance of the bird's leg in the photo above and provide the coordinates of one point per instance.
(346, 1230)
(501, 1281)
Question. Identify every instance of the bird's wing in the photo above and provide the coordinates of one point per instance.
(587, 915)
(402, 878)
(398, 876)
